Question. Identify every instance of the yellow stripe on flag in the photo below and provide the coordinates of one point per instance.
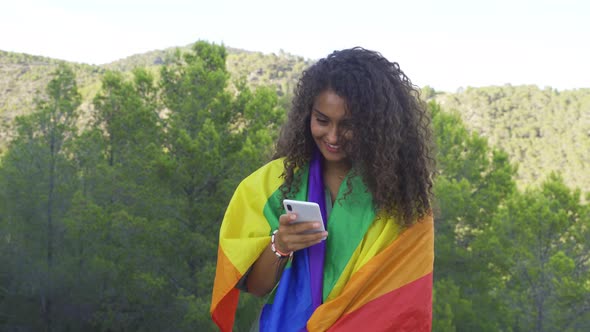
(379, 235)
(244, 234)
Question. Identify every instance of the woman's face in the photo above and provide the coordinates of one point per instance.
(330, 126)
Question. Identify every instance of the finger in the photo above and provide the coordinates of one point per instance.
(300, 227)
(303, 227)
(292, 242)
(287, 218)
(306, 244)
(301, 241)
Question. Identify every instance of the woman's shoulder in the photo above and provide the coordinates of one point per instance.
(269, 172)
(275, 166)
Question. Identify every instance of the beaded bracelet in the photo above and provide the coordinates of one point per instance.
(276, 250)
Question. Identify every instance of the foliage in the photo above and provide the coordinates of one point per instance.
(473, 181)
(24, 75)
(543, 130)
(133, 229)
(538, 245)
(38, 180)
(505, 260)
(113, 188)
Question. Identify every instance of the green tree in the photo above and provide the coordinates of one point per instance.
(213, 140)
(474, 180)
(538, 243)
(542, 130)
(37, 184)
(114, 213)
(127, 118)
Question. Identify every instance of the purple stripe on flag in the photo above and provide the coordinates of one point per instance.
(317, 252)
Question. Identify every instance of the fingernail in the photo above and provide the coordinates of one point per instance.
(316, 225)
(292, 216)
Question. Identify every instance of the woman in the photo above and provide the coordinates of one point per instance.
(357, 142)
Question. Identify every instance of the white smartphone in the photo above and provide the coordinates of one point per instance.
(305, 211)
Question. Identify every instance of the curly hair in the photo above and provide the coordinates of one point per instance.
(386, 114)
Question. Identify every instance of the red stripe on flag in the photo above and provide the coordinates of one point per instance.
(225, 296)
(408, 308)
(224, 314)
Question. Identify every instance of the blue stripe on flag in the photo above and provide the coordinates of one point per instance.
(292, 305)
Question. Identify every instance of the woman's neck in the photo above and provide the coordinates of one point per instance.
(337, 169)
(334, 174)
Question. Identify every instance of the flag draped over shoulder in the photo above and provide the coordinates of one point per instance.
(375, 275)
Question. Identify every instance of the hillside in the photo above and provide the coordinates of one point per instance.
(543, 130)
(278, 70)
(22, 76)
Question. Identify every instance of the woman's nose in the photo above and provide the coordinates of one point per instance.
(333, 135)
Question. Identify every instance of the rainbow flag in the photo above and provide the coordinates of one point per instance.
(375, 275)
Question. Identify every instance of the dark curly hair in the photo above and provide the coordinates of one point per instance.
(391, 147)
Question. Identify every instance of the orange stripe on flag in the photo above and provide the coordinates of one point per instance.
(225, 295)
(409, 258)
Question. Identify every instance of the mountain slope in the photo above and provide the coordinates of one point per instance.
(23, 76)
(544, 130)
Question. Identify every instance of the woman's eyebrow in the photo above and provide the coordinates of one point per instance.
(346, 120)
(320, 113)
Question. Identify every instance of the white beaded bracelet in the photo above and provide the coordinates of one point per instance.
(277, 252)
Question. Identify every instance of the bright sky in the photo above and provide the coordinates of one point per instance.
(446, 44)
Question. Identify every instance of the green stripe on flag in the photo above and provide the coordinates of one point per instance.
(351, 217)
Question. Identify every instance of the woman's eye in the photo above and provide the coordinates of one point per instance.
(321, 121)
(346, 125)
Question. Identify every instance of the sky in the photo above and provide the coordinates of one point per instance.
(447, 45)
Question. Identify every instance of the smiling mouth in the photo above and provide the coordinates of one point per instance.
(332, 147)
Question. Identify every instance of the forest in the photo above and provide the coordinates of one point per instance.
(542, 130)
(110, 208)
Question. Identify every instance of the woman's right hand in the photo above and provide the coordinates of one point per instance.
(265, 272)
(291, 236)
